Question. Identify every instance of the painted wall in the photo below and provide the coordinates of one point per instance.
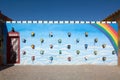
(50, 44)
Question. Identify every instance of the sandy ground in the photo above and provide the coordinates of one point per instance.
(81, 72)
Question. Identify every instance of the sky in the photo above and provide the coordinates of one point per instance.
(86, 10)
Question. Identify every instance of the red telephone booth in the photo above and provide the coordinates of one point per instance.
(13, 47)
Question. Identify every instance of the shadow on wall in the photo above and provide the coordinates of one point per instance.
(3, 51)
(11, 57)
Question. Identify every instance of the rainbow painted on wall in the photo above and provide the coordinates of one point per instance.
(110, 33)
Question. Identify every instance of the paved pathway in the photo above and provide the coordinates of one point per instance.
(83, 72)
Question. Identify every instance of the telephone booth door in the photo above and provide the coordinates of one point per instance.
(13, 48)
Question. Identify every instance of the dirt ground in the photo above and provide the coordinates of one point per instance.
(66, 72)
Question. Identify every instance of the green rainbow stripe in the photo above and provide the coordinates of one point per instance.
(110, 33)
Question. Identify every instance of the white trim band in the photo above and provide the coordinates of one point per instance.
(63, 22)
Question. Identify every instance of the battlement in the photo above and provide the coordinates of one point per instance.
(62, 22)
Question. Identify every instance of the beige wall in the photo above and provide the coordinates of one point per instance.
(118, 21)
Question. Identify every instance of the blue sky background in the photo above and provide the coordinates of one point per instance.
(59, 9)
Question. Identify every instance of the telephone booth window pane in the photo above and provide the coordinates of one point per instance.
(14, 49)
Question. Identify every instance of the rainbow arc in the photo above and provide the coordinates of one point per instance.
(110, 33)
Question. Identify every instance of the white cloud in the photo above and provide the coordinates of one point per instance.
(62, 59)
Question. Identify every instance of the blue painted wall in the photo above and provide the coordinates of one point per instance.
(60, 31)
